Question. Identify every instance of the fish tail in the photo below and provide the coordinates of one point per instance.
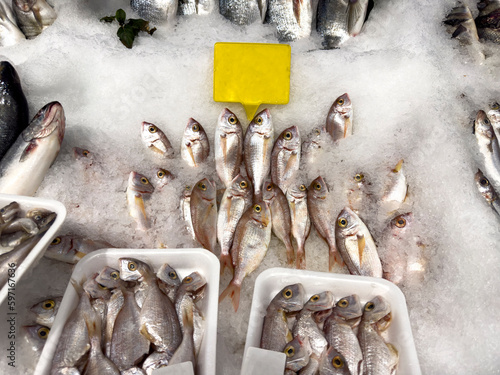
(226, 261)
(290, 255)
(301, 258)
(334, 257)
(233, 291)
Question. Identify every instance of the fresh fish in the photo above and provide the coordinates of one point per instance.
(356, 245)
(84, 156)
(488, 147)
(109, 277)
(236, 200)
(258, 145)
(158, 319)
(333, 363)
(169, 280)
(297, 353)
(14, 117)
(396, 189)
(155, 10)
(280, 217)
(96, 290)
(33, 16)
(487, 22)
(292, 19)
(339, 334)
(71, 249)
(250, 244)
(156, 140)
(461, 25)
(356, 15)
(37, 336)
(487, 191)
(114, 306)
(194, 146)
(358, 193)
(319, 204)
(314, 144)
(185, 206)
(203, 209)
(17, 231)
(23, 168)
(339, 118)
(9, 32)
(138, 187)
(331, 22)
(285, 158)
(192, 285)
(243, 12)
(162, 178)
(46, 311)
(186, 352)
(301, 224)
(228, 147)
(9, 212)
(379, 357)
(275, 331)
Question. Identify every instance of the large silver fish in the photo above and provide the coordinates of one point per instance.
(46, 311)
(156, 140)
(250, 244)
(243, 12)
(33, 16)
(203, 207)
(9, 32)
(356, 245)
(195, 146)
(291, 18)
(155, 10)
(487, 191)
(487, 22)
(258, 145)
(339, 118)
(285, 158)
(23, 168)
(71, 249)
(228, 147)
(488, 147)
(138, 188)
(296, 196)
(236, 200)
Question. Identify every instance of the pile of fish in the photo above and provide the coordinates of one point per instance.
(132, 320)
(19, 234)
(45, 313)
(24, 19)
(323, 337)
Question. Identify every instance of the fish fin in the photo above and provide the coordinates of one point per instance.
(300, 262)
(398, 166)
(226, 261)
(28, 150)
(290, 162)
(361, 247)
(187, 318)
(233, 291)
(459, 30)
(355, 11)
(407, 194)
(190, 150)
(347, 124)
(79, 254)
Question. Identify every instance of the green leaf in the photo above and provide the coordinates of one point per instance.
(121, 16)
(126, 36)
(139, 24)
(108, 19)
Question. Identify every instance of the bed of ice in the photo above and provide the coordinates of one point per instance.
(414, 94)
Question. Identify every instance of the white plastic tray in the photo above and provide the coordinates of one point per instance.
(184, 261)
(271, 281)
(36, 253)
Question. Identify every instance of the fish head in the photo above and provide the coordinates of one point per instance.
(359, 179)
(47, 307)
(9, 212)
(134, 270)
(297, 353)
(48, 119)
(332, 362)
(482, 126)
(376, 309)
(205, 189)
(109, 277)
(347, 223)
(343, 105)
(241, 187)
(261, 214)
(186, 192)
(348, 308)
(289, 139)
(168, 275)
(194, 132)
(96, 290)
(269, 191)
(400, 224)
(228, 122)
(262, 123)
(37, 335)
(162, 178)
(139, 183)
(494, 113)
(484, 186)
(320, 301)
(290, 298)
(149, 133)
(41, 216)
(193, 282)
(297, 191)
(318, 188)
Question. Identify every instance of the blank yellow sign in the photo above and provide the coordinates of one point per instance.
(252, 74)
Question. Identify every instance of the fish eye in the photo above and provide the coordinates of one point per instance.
(152, 129)
(287, 293)
(132, 266)
(43, 332)
(342, 222)
(317, 131)
(202, 186)
(337, 362)
(115, 275)
(343, 303)
(369, 306)
(38, 217)
(85, 153)
(102, 286)
(269, 187)
(56, 241)
(259, 120)
(317, 186)
(302, 187)
(172, 275)
(495, 106)
(187, 280)
(160, 173)
(232, 120)
(243, 184)
(257, 208)
(48, 304)
(144, 180)
(187, 188)
(195, 128)
(400, 223)
(314, 298)
(289, 351)
(287, 136)
(484, 181)
(340, 101)
(359, 177)
(2, 211)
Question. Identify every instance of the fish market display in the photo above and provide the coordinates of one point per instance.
(155, 10)
(228, 147)
(243, 12)
(9, 32)
(46, 311)
(203, 209)
(138, 188)
(155, 140)
(301, 224)
(488, 147)
(194, 146)
(339, 119)
(71, 249)
(285, 158)
(487, 191)
(292, 19)
(487, 24)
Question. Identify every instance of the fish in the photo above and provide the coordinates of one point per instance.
(138, 188)
(17, 231)
(243, 12)
(313, 145)
(185, 207)
(460, 23)
(162, 178)
(275, 332)
(488, 147)
(169, 280)
(487, 191)
(257, 148)
(10, 34)
(396, 189)
(46, 311)
(96, 290)
(156, 140)
(134, 371)
(33, 16)
(186, 351)
(155, 10)
(487, 22)
(339, 118)
(333, 363)
(36, 335)
(292, 19)
(24, 166)
(109, 277)
(356, 16)
(297, 353)
(356, 245)
(301, 223)
(379, 357)
(228, 147)
(203, 207)
(195, 146)
(331, 22)
(70, 249)
(358, 193)
(14, 113)
(319, 205)
(285, 158)
(280, 217)
(339, 334)
(114, 305)
(188, 7)
(250, 245)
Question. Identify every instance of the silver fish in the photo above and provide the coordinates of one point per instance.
(109, 277)
(292, 19)
(280, 217)
(155, 140)
(114, 306)
(46, 311)
(301, 224)
(356, 245)
(487, 20)
(155, 10)
(186, 351)
(250, 244)
(297, 353)
(155, 361)
(494, 117)
(37, 336)
(236, 200)
(23, 168)
(185, 206)
(169, 280)
(487, 191)
(33, 16)
(96, 290)
(339, 118)
(203, 209)
(314, 144)
(138, 187)
(16, 232)
(9, 32)
(333, 363)
(285, 158)
(162, 178)
(488, 147)
(195, 146)
(134, 371)
(258, 145)
(71, 249)
(228, 147)
(331, 22)
(243, 12)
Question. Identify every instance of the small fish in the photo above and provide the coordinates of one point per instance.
(228, 147)
(109, 277)
(487, 22)
(292, 19)
(169, 280)
(314, 145)
(236, 200)
(33, 16)
(84, 156)
(356, 245)
(203, 209)
(155, 10)
(96, 290)
(258, 145)
(488, 147)
(138, 187)
(331, 22)
(46, 311)
(487, 191)
(185, 206)
(333, 363)
(162, 178)
(396, 189)
(23, 168)
(9, 32)
(285, 158)
(250, 245)
(155, 140)
(296, 196)
(37, 336)
(155, 361)
(70, 249)
(297, 353)
(339, 118)
(17, 231)
(195, 146)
